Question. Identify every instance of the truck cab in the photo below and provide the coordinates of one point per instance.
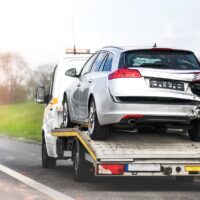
(53, 97)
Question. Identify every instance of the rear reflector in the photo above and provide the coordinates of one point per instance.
(137, 116)
(124, 73)
(110, 169)
(192, 168)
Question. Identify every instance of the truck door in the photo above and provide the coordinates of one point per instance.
(50, 108)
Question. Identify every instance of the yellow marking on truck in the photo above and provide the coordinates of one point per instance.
(76, 134)
(192, 168)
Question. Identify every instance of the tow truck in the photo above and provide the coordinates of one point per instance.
(124, 153)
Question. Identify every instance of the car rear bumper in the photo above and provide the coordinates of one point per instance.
(114, 113)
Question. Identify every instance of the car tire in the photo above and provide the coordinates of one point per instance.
(95, 130)
(66, 117)
(47, 162)
(194, 133)
(82, 169)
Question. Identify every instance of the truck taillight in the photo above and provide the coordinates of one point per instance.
(124, 73)
(107, 169)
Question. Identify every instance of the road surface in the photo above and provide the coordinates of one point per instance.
(25, 159)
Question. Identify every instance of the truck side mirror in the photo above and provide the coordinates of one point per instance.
(40, 95)
(71, 72)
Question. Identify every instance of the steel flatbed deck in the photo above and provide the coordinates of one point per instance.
(171, 149)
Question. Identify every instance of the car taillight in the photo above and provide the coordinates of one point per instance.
(124, 73)
(111, 169)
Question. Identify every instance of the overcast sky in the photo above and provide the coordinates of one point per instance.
(40, 30)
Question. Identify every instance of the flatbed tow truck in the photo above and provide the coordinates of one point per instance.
(124, 153)
(130, 153)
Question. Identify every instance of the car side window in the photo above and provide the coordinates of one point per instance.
(107, 64)
(87, 66)
(97, 63)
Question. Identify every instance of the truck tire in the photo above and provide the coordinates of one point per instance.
(194, 133)
(66, 117)
(185, 179)
(95, 130)
(47, 162)
(82, 169)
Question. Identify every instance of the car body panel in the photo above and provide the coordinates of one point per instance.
(107, 94)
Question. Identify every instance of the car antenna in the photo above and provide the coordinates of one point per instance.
(155, 45)
(73, 33)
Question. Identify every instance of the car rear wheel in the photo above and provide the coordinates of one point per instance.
(194, 133)
(66, 117)
(96, 131)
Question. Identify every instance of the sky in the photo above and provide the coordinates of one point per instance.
(41, 30)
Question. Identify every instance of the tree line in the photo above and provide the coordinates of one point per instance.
(18, 82)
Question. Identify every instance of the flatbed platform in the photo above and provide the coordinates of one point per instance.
(133, 145)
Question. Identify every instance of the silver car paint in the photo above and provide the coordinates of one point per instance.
(104, 92)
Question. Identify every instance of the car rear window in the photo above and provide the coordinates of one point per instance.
(162, 59)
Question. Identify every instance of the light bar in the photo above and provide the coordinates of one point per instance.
(77, 51)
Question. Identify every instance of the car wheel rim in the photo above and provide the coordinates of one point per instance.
(92, 118)
(65, 114)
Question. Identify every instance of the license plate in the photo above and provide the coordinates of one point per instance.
(142, 168)
(166, 84)
(192, 168)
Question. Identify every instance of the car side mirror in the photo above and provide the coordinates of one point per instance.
(71, 72)
(40, 95)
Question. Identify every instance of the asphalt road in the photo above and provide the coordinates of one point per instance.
(25, 158)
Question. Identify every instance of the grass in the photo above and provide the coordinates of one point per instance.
(22, 120)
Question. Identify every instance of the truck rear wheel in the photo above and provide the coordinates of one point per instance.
(47, 162)
(96, 131)
(82, 169)
(194, 133)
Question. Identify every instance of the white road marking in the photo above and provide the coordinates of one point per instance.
(34, 184)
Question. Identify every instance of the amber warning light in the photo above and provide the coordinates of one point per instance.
(77, 51)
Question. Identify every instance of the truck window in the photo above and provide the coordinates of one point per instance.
(52, 83)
